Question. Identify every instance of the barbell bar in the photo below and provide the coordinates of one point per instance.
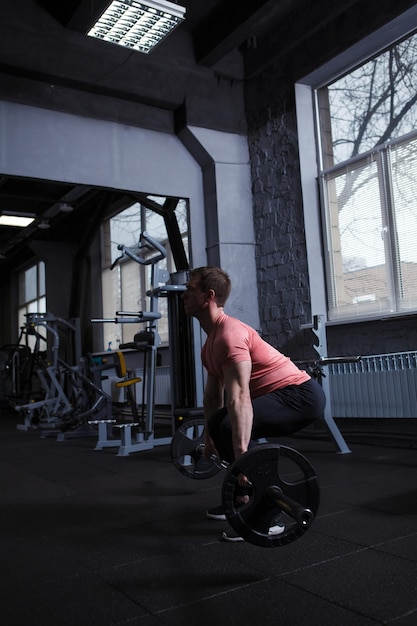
(284, 487)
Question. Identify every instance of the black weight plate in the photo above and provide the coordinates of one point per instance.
(184, 453)
(271, 466)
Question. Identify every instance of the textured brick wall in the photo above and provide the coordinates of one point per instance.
(284, 299)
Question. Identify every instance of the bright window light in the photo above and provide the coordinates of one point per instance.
(15, 220)
(137, 25)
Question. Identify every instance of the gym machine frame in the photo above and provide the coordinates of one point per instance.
(137, 436)
(55, 402)
(63, 410)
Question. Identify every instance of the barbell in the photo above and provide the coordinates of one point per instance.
(284, 487)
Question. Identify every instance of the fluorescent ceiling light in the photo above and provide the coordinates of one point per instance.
(137, 25)
(15, 220)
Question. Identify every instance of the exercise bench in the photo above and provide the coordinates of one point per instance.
(105, 426)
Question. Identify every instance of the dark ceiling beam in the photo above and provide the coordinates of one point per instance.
(3, 180)
(167, 211)
(30, 197)
(300, 25)
(301, 31)
(63, 10)
(231, 24)
(75, 14)
(142, 198)
(86, 14)
(73, 194)
(85, 86)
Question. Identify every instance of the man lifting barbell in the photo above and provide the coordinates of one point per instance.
(252, 390)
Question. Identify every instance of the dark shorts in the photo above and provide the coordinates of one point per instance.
(276, 414)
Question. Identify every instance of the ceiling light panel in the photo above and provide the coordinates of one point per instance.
(137, 25)
(15, 220)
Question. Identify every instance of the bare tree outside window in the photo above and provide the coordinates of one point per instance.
(374, 104)
(369, 155)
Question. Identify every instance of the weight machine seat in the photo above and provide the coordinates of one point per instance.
(128, 382)
(122, 372)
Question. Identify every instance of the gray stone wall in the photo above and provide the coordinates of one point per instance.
(281, 255)
(373, 337)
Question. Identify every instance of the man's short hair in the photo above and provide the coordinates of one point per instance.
(213, 278)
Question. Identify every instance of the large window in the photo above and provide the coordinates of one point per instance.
(32, 297)
(126, 282)
(367, 126)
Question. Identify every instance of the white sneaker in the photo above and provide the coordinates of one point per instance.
(232, 536)
(216, 513)
(278, 529)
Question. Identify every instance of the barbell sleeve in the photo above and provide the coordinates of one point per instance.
(301, 514)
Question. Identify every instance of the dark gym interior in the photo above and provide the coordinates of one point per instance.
(218, 117)
(92, 538)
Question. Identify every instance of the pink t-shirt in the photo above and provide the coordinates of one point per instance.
(232, 341)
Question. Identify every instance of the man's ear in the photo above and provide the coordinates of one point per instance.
(211, 295)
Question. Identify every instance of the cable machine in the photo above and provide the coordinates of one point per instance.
(139, 434)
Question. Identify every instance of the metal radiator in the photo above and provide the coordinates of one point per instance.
(162, 385)
(383, 385)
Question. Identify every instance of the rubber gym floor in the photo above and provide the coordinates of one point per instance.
(89, 538)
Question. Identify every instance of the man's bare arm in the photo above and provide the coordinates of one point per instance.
(213, 401)
(239, 404)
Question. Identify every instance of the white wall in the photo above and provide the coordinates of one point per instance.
(212, 171)
(41, 143)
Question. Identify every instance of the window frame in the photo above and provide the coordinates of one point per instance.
(310, 151)
(34, 304)
(381, 156)
(119, 333)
